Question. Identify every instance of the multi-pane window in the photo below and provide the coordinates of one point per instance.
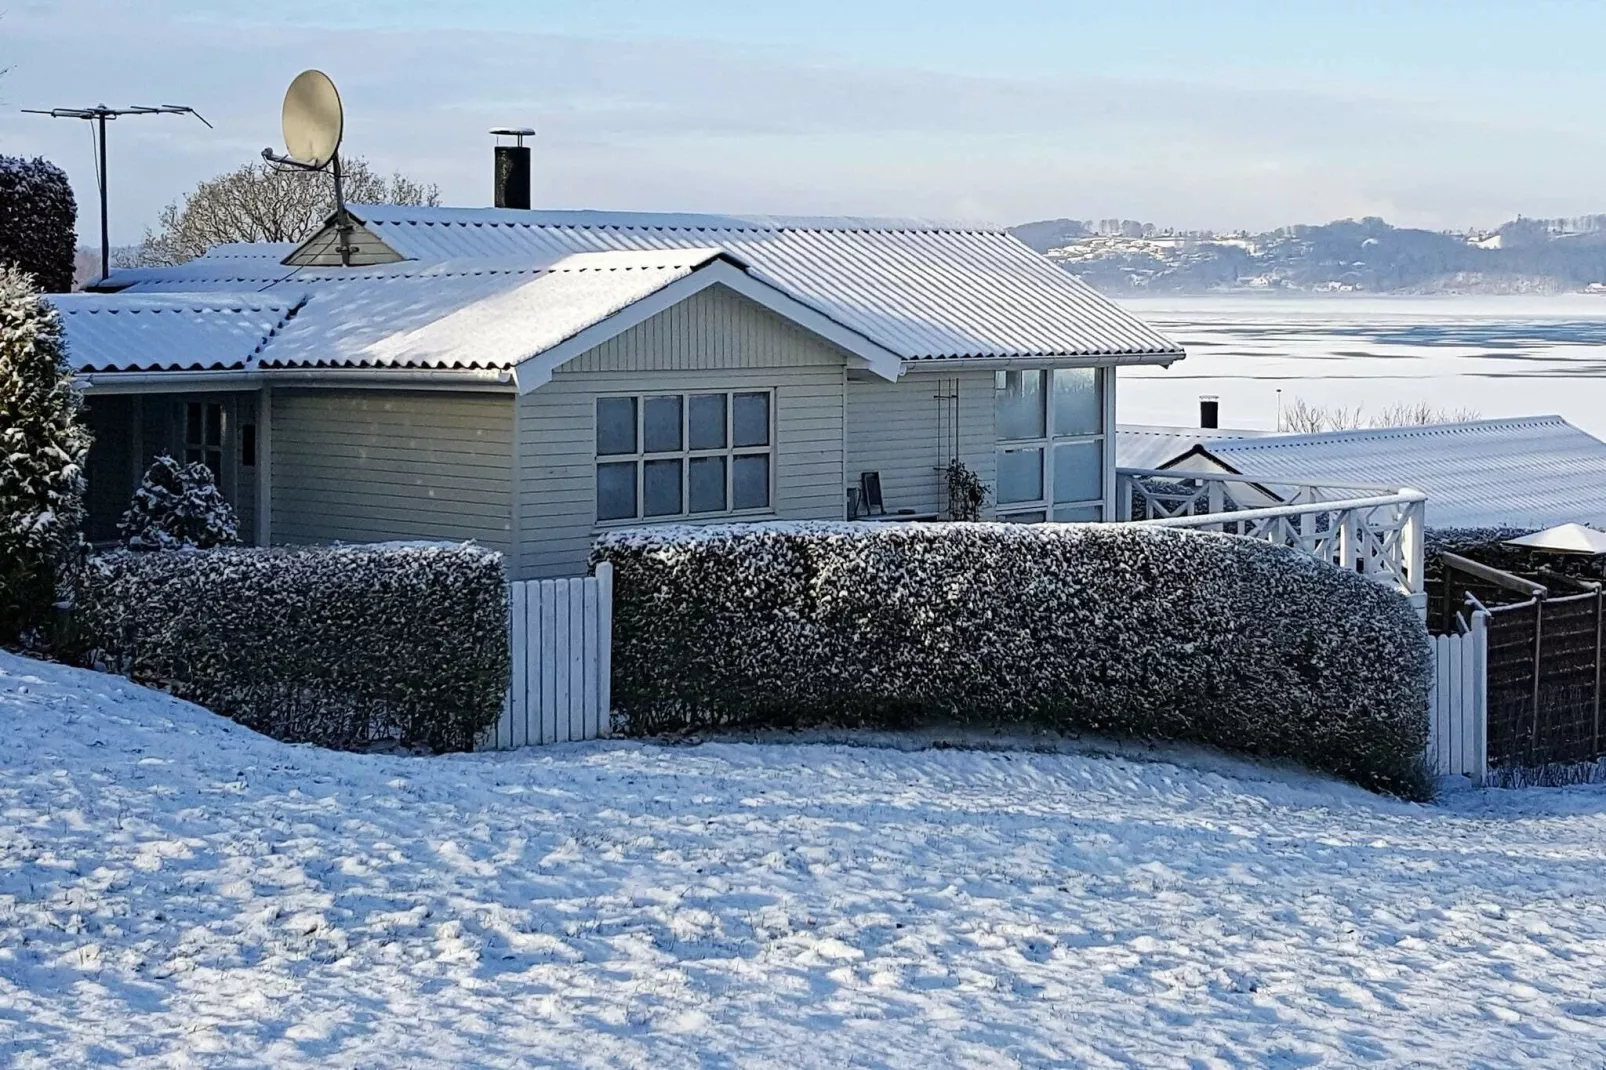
(203, 436)
(1050, 444)
(670, 455)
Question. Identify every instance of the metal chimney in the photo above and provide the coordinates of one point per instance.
(511, 179)
(1209, 412)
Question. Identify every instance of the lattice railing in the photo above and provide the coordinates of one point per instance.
(1377, 531)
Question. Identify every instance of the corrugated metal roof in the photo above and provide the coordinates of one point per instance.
(174, 332)
(1150, 446)
(434, 318)
(1533, 472)
(922, 290)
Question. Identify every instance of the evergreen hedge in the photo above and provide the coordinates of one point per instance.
(1118, 629)
(38, 217)
(341, 646)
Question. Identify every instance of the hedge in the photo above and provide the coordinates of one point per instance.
(37, 220)
(1119, 629)
(341, 646)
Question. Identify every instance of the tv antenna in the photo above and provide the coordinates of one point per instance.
(98, 115)
(314, 123)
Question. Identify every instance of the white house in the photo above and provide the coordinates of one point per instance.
(529, 379)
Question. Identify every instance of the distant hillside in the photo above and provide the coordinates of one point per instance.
(1369, 255)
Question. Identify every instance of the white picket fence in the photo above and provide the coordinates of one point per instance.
(560, 635)
(1458, 704)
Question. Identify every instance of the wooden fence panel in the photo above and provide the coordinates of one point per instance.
(1457, 704)
(560, 636)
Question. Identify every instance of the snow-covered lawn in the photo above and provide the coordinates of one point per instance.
(175, 890)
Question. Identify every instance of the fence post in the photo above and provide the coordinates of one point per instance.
(1539, 640)
(1479, 635)
(605, 647)
(1595, 741)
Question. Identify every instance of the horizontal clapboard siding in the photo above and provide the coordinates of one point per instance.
(370, 465)
(715, 340)
(904, 431)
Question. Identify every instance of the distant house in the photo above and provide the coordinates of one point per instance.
(1530, 472)
(528, 379)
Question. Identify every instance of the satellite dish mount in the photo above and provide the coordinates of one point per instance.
(314, 123)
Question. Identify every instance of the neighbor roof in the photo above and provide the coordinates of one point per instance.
(171, 332)
(1531, 472)
(1152, 445)
(920, 290)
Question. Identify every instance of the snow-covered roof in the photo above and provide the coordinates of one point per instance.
(453, 316)
(172, 332)
(1530, 472)
(1152, 445)
(921, 290)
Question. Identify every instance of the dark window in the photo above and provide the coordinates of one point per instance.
(248, 445)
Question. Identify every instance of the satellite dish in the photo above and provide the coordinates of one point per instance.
(313, 119)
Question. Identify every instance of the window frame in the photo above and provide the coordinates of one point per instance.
(1042, 509)
(685, 455)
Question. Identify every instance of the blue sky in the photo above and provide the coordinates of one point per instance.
(1193, 114)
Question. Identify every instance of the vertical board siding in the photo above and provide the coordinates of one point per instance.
(1458, 704)
(372, 465)
(714, 340)
(560, 636)
(896, 429)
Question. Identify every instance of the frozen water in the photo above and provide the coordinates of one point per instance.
(1502, 356)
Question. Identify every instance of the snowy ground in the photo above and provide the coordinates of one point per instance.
(177, 891)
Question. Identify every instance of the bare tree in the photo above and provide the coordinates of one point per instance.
(258, 203)
(1301, 417)
(1420, 414)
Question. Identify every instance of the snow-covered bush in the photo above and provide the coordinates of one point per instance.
(178, 506)
(341, 646)
(43, 442)
(1111, 628)
(37, 219)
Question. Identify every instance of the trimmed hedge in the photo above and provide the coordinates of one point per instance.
(1118, 629)
(37, 220)
(341, 646)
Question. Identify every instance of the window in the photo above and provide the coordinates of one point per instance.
(1050, 445)
(674, 455)
(203, 436)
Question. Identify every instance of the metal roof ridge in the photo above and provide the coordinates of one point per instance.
(1354, 434)
(604, 219)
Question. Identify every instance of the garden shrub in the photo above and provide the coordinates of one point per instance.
(1117, 629)
(342, 646)
(43, 444)
(178, 506)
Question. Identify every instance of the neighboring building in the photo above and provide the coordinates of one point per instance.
(1530, 472)
(529, 379)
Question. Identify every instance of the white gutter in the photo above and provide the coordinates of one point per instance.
(947, 365)
(251, 379)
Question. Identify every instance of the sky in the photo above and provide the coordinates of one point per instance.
(1194, 114)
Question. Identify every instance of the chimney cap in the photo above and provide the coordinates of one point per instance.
(520, 132)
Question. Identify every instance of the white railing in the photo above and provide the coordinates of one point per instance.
(1377, 531)
(560, 636)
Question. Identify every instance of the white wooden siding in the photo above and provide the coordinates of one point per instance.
(371, 465)
(899, 430)
(560, 637)
(715, 340)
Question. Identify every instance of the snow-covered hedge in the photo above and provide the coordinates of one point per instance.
(37, 219)
(1111, 628)
(341, 646)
